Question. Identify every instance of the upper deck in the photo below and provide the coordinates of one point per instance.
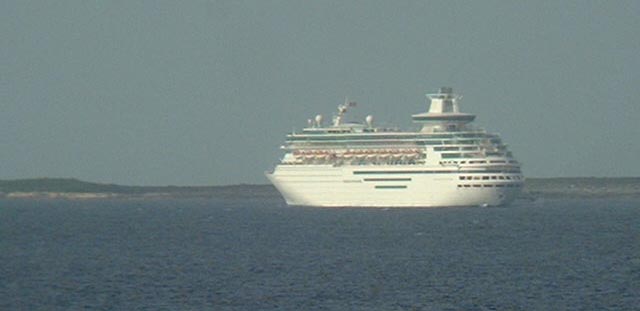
(444, 134)
(443, 115)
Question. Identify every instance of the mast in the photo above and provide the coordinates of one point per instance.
(342, 110)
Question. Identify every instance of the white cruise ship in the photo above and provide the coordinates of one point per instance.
(447, 162)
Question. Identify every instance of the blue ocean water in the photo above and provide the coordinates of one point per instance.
(258, 254)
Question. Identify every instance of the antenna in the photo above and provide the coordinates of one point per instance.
(342, 109)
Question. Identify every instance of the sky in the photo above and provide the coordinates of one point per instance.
(203, 92)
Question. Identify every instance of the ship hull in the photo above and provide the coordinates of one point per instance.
(393, 186)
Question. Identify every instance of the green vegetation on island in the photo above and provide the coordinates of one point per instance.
(592, 187)
(74, 188)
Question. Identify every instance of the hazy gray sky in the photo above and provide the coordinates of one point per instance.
(203, 92)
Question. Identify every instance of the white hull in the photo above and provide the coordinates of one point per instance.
(390, 186)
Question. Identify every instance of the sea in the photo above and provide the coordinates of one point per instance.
(259, 254)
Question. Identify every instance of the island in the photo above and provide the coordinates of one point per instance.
(71, 188)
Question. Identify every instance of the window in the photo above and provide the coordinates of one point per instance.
(446, 148)
(494, 154)
(450, 155)
(430, 142)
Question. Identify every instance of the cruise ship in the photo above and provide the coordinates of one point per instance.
(445, 162)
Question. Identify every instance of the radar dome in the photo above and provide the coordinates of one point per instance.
(369, 120)
(319, 119)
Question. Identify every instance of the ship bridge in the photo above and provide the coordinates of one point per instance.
(444, 113)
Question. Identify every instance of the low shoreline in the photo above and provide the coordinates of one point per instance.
(73, 189)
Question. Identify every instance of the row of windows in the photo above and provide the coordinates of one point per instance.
(387, 179)
(469, 142)
(382, 144)
(448, 139)
(385, 141)
(480, 162)
(514, 171)
(475, 155)
(470, 148)
(391, 187)
(490, 186)
(353, 162)
(318, 134)
(499, 177)
(446, 148)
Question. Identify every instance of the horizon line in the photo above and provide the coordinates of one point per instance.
(257, 184)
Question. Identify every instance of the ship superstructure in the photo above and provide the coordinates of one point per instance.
(447, 162)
